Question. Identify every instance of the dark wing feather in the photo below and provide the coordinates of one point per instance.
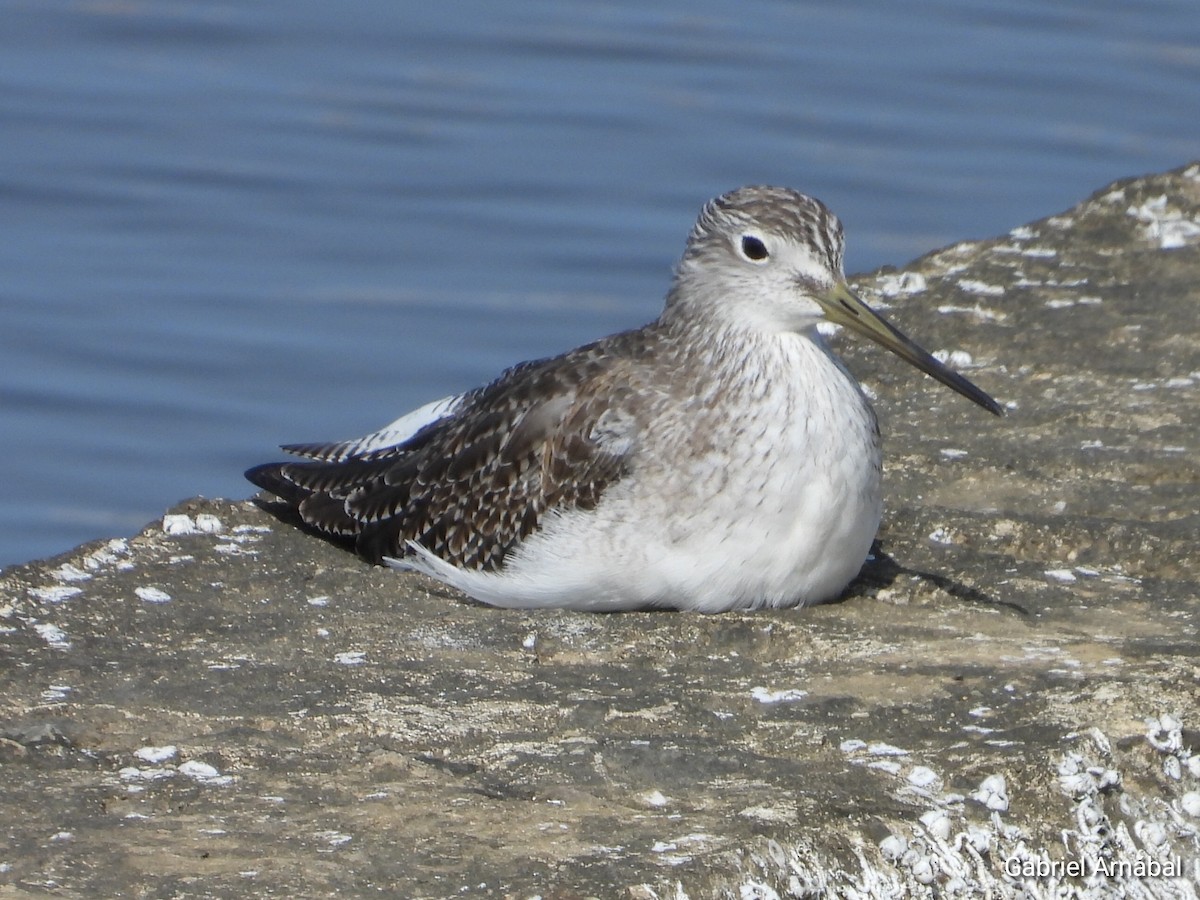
(321, 452)
(550, 434)
(335, 478)
(328, 514)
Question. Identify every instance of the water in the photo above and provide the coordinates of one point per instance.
(225, 225)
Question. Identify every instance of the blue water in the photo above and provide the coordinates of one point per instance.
(226, 225)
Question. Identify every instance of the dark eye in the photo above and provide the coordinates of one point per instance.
(754, 248)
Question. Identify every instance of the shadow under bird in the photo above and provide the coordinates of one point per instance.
(720, 457)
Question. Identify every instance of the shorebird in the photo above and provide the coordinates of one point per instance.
(720, 457)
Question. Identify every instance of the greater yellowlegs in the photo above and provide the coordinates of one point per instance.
(720, 457)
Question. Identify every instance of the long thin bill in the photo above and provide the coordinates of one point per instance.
(843, 307)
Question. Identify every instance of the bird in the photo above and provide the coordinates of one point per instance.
(720, 457)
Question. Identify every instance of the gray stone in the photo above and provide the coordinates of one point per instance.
(229, 706)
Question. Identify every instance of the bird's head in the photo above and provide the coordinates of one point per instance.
(770, 258)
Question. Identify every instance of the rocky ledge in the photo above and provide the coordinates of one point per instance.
(1005, 701)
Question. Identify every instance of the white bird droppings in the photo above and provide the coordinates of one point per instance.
(655, 798)
(56, 693)
(937, 823)
(940, 535)
(893, 847)
(1173, 768)
(203, 772)
(982, 288)
(1165, 734)
(923, 777)
(1190, 804)
(757, 890)
(959, 359)
(156, 755)
(52, 635)
(133, 773)
(763, 695)
(333, 838)
(204, 523)
(1164, 225)
(173, 523)
(54, 594)
(1063, 576)
(992, 793)
(207, 523)
(900, 284)
(881, 749)
(68, 572)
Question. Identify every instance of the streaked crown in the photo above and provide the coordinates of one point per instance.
(775, 210)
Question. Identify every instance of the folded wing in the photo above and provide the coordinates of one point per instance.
(470, 477)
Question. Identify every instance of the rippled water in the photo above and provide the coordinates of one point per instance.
(232, 224)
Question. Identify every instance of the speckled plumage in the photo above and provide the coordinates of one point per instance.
(719, 457)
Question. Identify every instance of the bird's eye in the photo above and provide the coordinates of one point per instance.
(753, 248)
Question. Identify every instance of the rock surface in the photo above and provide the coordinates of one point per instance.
(223, 705)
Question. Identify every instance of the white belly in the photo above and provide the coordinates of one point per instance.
(776, 507)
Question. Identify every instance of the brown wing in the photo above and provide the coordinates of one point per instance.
(546, 435)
